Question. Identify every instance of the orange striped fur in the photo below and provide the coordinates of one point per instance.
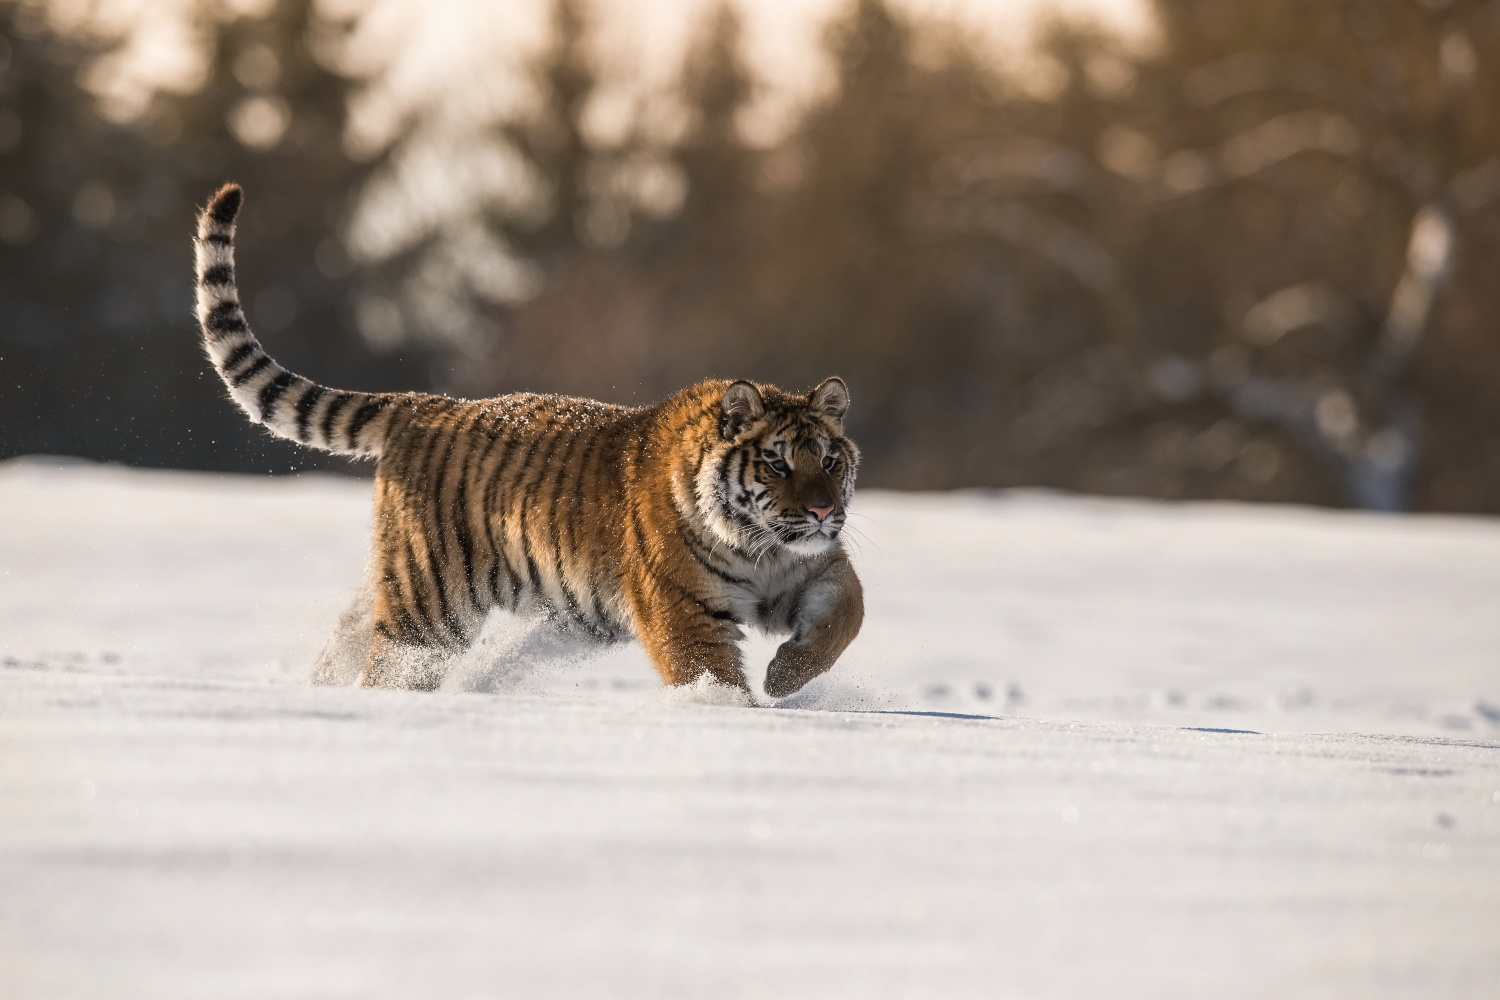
(675, 523)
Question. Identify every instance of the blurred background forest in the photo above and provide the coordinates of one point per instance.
(1255, 257)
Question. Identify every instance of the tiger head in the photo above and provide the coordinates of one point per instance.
(783, 475)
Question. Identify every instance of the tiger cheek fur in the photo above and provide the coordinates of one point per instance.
(677, 523)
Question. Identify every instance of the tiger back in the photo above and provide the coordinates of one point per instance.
(675, 524)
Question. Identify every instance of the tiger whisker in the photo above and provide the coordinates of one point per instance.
(857, 531)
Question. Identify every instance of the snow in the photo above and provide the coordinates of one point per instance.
(1023, 780)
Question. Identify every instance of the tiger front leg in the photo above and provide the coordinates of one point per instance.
(825, 621)
(683, 640)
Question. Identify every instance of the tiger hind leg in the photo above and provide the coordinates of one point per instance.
(347, 651)
(395, 664)
(402, 654)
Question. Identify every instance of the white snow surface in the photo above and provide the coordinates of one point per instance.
(1083, 748)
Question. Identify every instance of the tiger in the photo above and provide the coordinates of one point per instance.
(676, 524)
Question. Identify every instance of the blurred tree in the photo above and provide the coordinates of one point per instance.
(846, 284)
(718, 168)
(1251, 263)
(68, 304)
(1341, 145)
(458, 282)
(878, 275)
(99, 276)
(703, 260)
(553, 140)
(1277, 224)
(645, 248)
(784, 265)
(1046, 336)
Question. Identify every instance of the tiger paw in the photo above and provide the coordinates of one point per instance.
(792, 668)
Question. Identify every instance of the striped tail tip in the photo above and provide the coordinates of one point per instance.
(287, 404)
(225, 204)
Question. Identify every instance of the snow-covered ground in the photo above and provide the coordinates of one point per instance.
(1083, 748)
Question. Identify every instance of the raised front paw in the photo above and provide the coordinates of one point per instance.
(792, 668)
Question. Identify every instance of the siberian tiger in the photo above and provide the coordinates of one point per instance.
(676, 523)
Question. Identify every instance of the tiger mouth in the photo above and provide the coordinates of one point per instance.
(792, 533)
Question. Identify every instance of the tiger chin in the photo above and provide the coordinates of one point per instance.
(675, 524)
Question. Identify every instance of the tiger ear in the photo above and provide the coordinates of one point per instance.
(831, 399)
(741, 405)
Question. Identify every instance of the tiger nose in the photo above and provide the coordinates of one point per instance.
(821, 513)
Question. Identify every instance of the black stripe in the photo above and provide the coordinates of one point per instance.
(640, 540)
(528, 492)
(272, 391)
(340, 400)
(237, 355)
(635, 513)
(218, 238)
(598, 632)
(218, 275)
(411, 602)
(305, 407)
(250, 373)
(414, 632)
(438, 541)
(721, 479)
(490, 505)
(616, 586)
(698, 467)
(461, 530)
(449, 437)
(580, 502)
(575, 607)
(400, 617)
(526, 466)
(226, 205)
(739, 477)
(532, 575)
(435, 473)
(605, 620)
(688, 595)
(225, 318)
(696, 550)
(498, 547)
(402, 629)
(486, 512)
(465, 536)
(557, 532)
(640, 449)
(367, 412)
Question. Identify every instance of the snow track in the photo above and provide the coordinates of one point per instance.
(1021, 782)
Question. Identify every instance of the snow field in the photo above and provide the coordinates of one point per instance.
(1018, 783)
